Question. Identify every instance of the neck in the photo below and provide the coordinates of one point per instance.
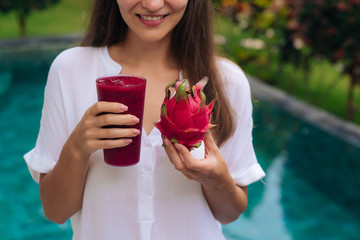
(135, 52)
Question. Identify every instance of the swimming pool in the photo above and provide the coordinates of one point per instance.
(312, 184)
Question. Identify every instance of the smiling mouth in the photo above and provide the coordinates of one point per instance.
(151, 18)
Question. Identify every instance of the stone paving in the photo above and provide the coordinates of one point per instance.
(39, 43)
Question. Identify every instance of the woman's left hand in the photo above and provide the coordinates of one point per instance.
(226, 200)
(211, 170)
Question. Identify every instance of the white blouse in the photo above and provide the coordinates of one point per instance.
(150, 200)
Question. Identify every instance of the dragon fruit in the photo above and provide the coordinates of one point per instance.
(185, 118)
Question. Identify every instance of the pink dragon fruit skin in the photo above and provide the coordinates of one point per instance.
(185, 118)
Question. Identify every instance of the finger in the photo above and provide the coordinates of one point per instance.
(209, 142)
(190, 162)
(111, 133)
(115, 143)
(178, 162)
(184, 152)
(107, 107)
(117, 120)
(174, 156)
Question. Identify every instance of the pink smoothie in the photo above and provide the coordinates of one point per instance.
(130, 91)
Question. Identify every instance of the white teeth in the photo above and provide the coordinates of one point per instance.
(150, 18)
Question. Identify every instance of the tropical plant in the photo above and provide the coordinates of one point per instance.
(330, 28)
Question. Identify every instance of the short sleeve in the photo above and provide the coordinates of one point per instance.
(53, 129)
(238, 151)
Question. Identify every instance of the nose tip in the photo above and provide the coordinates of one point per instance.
(153, 5)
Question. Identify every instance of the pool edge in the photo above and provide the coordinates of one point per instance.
(343, 129)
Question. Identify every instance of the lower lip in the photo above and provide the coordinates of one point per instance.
(152, 23)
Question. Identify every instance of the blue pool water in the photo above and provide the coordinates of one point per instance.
(311, 190)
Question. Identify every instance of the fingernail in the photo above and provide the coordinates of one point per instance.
(177, 146)
(136, 131)
(166, 142)
(128, 141)
(123, 108)
(135, 120)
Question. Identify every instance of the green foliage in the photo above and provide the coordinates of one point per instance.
(281, 43)
(23, 9)
(321, 84)
(25, 6)
(331, 27)
(66, 17)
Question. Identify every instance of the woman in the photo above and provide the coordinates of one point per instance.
(171, 193)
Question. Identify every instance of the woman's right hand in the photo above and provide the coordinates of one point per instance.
(90, 134)
(62, 189)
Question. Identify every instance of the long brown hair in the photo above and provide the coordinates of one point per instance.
(192, 47)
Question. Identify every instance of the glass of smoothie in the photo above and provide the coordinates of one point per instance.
(130, 91)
